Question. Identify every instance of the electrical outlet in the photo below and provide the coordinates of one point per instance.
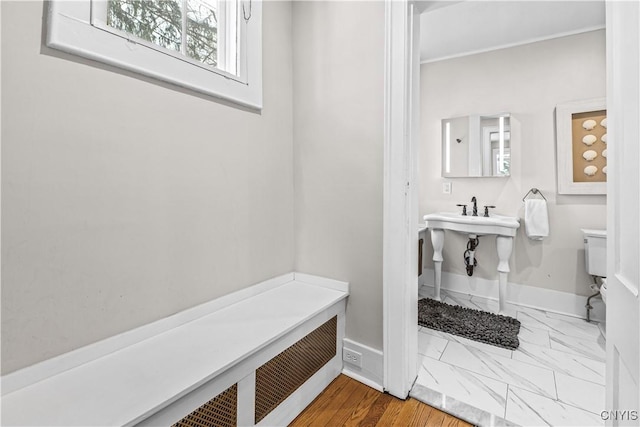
(446, 188)
(352, 357)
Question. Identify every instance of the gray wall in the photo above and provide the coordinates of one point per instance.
(338, 55)
(528, 81)
(126, 200)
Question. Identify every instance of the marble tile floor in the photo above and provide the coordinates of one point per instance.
(554, 378)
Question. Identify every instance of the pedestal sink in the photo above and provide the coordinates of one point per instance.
(503, 227)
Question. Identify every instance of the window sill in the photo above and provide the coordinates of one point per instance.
(70, 30)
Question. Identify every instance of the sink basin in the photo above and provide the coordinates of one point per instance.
(503, 227)
(499, 225)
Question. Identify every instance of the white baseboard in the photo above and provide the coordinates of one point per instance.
(371, 373)
(528, 296)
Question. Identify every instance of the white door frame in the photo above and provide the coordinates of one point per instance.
(400, 200)
(623, 235)
(400, 208)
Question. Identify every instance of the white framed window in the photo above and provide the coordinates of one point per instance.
(211, 46)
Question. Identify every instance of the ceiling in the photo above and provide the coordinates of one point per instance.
(453, 28)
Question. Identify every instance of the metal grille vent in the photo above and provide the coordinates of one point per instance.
(281, 376)
(221, 411)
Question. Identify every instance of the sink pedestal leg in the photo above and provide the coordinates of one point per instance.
(504, 247)
(437, 240)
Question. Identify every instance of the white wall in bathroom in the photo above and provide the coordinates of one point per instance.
(338, 153)
(126, 200)
(528, 81)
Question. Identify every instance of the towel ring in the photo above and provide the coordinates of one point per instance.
(534, 191)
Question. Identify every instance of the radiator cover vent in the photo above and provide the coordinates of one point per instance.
(221, 411)
(281, 376)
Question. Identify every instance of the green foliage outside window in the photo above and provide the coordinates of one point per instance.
(160, 22)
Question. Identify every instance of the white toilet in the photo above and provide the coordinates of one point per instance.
(595, 252)
(595, 257)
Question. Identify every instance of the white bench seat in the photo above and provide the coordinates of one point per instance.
(130, 384)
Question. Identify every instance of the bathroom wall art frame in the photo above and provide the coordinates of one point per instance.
(567, 139)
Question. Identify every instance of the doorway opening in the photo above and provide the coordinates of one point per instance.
(397, 307)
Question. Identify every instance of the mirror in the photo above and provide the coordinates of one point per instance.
(476, 146)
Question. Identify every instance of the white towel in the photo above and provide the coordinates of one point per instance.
(536, 219)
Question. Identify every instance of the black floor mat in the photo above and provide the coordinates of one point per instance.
(477, 325)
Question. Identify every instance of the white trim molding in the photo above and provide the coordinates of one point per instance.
(399, 282)
(371, 372)
(70, 29)
(514, 44)
(523, 295)
(622, 377)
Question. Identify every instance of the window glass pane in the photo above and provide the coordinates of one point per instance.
(202, 31)
(158, 21)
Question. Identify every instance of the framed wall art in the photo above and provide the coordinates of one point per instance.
(581, 144)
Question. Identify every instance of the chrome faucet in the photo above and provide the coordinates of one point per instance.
(475, 206)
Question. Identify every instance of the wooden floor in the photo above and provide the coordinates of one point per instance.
(347, 402)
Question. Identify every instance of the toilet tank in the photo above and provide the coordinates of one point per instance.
(595, 252)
